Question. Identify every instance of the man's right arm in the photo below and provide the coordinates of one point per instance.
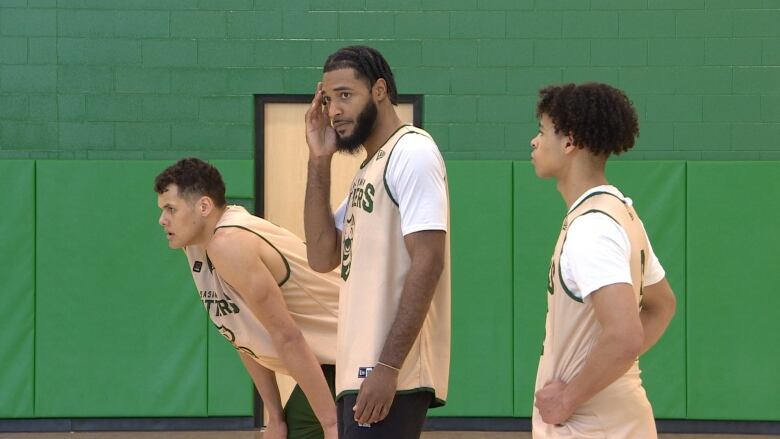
(322, 237)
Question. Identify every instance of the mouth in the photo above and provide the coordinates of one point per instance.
(170, 235)
(340, 125)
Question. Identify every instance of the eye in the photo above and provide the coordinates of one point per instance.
(345, 95)
(325, 100)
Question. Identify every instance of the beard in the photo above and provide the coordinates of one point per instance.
(364, 125)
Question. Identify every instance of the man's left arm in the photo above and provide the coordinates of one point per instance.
(426, 249)
(658, 306)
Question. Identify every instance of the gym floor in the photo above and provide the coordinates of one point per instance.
(257, 435)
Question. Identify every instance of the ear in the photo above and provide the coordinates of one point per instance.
(204, 205)
(379, 91)
(570, 146)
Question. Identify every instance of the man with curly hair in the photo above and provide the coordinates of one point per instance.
(608, 298)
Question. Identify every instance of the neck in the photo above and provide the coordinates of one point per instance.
(387, 122)
(208, 227)
(579, 178)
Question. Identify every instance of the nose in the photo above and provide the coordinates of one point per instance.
(533, 141)
(333, 110)
(161, 220)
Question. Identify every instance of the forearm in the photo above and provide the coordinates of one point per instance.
(265, 383)
(654, 323)
(658, 306)
(321, 236)
(416, 297)
(306, 371)
(611, 357)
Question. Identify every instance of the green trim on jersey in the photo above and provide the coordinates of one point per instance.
(560, 276)
(560, 271)
(593, 195)
(286, 264)
(384, 173)
(597, 211)
(436, 402)
(368, 159)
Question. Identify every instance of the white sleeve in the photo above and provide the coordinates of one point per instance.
(596, 254)
(416, 180)
(654, 271)
(338, 215)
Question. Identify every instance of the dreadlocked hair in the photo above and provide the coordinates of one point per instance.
(599, 117)
(368, 63)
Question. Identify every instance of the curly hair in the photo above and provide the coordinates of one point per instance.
(597, 116)
(368, 63)
(193, 176)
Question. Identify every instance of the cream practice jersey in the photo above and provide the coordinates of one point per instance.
(621, 410)
(597, 249)
(311, 297)
(392, 195)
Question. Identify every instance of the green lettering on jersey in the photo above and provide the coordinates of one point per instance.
(346, 247)
(641, 277)
(550, 286)
(368, 201)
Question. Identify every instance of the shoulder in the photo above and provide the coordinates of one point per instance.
(415, 142)
(594, 229)
(414, 152)
(231, 243)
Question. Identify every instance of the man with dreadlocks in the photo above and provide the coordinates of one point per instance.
(390, 238)
(608, 298)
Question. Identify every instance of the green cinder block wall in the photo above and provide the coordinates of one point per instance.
(110, 79)
(160, 79)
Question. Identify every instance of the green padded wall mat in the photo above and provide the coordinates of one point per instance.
(120, 331)
(733, 277)
(481, 249)
(17, 228)
(229, 386)
(658, 191)
(538, 213)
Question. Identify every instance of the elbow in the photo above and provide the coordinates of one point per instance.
(287, 338)
(632, 344)
(319, 267)
(672, 305)
(628, 343)
(436, 266)
(318, 264)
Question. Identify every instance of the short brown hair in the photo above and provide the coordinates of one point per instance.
(193, 176)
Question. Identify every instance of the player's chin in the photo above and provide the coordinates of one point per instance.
(538, 170)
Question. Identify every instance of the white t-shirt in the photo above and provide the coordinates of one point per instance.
(597, 252)
(416, 180)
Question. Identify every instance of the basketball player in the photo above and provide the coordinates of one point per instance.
(259, 292)
(608, 298)
(389, 236)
